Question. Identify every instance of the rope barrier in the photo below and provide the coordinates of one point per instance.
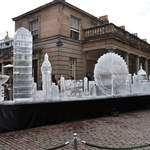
(111, 148)
(59, 146)
(75, 139)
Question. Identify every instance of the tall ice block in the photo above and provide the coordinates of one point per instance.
(22, 71)
(46, 70)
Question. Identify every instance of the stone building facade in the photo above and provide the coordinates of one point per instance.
(75, 39)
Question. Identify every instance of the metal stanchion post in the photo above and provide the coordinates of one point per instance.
(75, 141)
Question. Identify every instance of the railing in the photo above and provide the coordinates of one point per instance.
(112, 31)
(93, 32)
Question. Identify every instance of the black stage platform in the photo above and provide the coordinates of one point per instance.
(21, 116)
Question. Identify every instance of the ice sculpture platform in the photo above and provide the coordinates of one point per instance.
(22, 116)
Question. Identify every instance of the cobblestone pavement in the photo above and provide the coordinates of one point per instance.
(127, 129)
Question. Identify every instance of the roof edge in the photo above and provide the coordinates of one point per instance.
(54, 2)
(36, 10)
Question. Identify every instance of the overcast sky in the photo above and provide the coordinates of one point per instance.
(134, 14)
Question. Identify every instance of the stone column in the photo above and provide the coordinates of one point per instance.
(137, 63)
(127, 59)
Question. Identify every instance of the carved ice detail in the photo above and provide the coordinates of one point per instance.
(111, 73)
(22, 62)
(46, 70)
(3, 79)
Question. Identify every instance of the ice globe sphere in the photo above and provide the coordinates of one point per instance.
(110, 73)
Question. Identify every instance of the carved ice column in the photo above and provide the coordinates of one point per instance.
(85, 62)
(22, 62)
(127, 59)
(85, 85)
(137, 63)
(146, 66)
(62, 86)
(46, 70)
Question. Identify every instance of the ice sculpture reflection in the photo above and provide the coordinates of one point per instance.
(111, 78)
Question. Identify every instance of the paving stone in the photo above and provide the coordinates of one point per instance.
(125, 130)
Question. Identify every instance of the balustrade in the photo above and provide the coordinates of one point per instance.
(6, 44)
(103, 31)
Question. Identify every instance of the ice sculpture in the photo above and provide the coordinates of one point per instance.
(85, 86)
(54, 92)
(142, 74)
(46, 70)
(91, 87)
(62, 86)
(22, 62)
(111, 77)
(78, 88)
(3, 79)
(140, 85)
(93, 92)
(111, 73)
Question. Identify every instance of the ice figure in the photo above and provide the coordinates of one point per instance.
(3, 79)
(46, 70)
(34, 90)
(55, 92)
(142, 74)
(111, 73)
(135, 80)
(94, 94)
(62, 86)
(91, 86)
(22, 62)
(141, 85)
(78, 88)
(85, 86)
(129, 84)
(140, 77)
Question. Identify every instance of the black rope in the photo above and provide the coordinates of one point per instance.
(59, 146)
(111, 148)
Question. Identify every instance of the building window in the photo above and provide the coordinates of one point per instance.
(75, 28)
(34, 28)
(72, 67)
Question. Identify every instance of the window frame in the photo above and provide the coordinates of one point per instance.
(73, 67)
(35, 32)
(74, 29)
